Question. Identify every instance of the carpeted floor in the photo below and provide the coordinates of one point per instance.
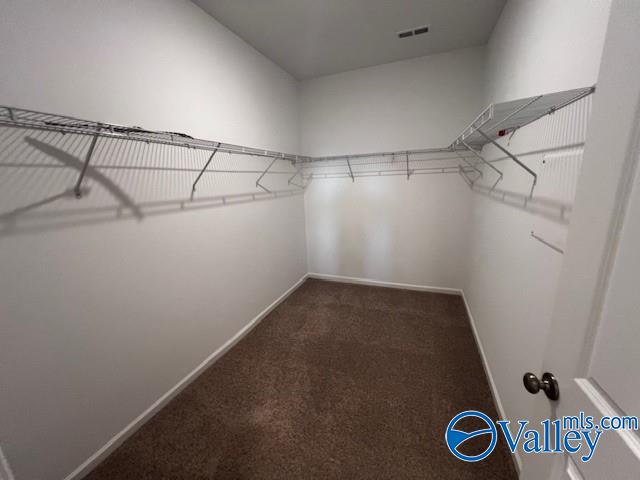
(339, 382)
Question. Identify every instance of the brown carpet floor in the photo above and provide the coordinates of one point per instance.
(339, 382)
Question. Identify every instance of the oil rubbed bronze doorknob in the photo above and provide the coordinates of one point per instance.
(548, 384)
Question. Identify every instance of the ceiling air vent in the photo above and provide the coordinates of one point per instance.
(413, 31)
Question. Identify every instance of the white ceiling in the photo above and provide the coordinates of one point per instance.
(310, 38)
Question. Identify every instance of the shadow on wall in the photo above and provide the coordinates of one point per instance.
(126, 180)
(549, 208)
(559, 141)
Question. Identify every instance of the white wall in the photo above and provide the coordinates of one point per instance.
(545, 46)
(387, 228)
(511, 282)
(102, 313)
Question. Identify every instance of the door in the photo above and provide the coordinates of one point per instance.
(594, 344)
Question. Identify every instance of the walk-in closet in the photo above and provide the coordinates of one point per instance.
(319, 239)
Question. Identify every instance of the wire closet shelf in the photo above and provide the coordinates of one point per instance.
(496, 121)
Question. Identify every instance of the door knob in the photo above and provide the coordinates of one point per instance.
(548, 384)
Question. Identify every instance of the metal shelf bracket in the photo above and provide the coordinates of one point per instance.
(206, 165)
(514, 158)
(350, 171)
(464, 176)
(409, 172)
(291, 182)
(483, 160)
(77, 190)
(465, 160)
(258, 184)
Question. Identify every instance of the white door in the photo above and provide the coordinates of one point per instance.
(594, 343)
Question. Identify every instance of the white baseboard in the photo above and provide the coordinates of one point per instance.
(5, 469)
(487, 370)
(138, 422)
(380, 283)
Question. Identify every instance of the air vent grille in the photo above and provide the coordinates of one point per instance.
(413, 31)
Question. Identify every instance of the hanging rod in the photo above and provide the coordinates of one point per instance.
(387, 173)
(383, 161)
(400, 154)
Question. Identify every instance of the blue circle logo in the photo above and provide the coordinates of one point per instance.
(455, 437)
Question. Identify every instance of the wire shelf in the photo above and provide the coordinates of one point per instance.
(29, 119)
(504, 118)
(495, 121)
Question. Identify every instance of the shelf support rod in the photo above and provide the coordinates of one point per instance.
(350, 171)
(489, 164)
(291, 182)
(77, 188)
(514, 158)
(466, 179)
(206, 165)
(465, 160)
(258, 184)
(408, 171)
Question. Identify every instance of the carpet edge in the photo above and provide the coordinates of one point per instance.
(382, 283)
